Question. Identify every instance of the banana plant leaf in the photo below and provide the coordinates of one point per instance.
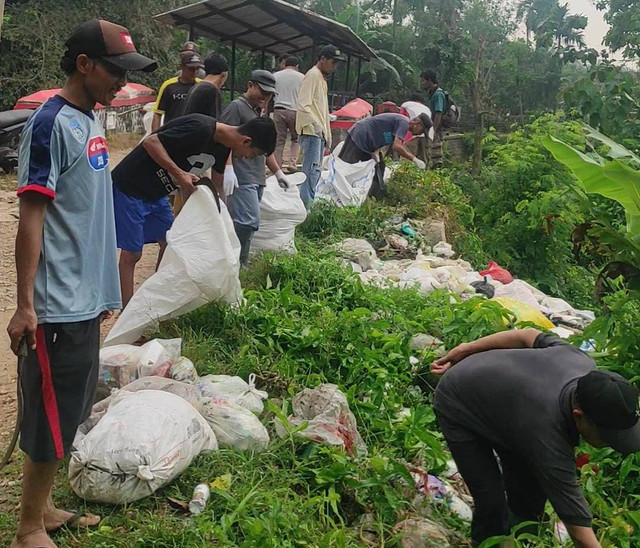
(611, 179)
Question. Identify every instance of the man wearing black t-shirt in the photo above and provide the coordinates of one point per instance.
(205, 97)
(173, 92)
(174, 157)
(528, 397)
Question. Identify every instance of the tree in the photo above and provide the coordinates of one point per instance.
(487, 24)
(623, 17)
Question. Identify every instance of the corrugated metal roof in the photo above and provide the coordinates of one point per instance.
(274, 26)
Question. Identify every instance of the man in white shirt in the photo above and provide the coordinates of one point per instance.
(288, 83)
(312, 120)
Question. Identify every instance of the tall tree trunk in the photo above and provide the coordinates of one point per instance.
(1, 15)
(476, 160)
(394, 24)
(475, 88)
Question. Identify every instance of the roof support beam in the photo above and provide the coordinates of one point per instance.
(238, 21)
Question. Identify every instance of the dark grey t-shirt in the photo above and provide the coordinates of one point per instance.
(520, 400)
(379, 131)
(249, 171)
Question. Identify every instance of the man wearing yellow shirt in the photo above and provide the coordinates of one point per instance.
(312, 119)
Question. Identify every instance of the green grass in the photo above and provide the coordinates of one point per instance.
(308, 320)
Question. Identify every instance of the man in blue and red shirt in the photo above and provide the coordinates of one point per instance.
(66, 264)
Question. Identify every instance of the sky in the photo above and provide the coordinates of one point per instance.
(596, 28)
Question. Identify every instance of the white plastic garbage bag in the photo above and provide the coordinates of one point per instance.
(329, 420)
(123, 363)
(183, 370)
(345, 184)
(200, 265)
(281, 211)
(234, 390)
(357, 251)
(234, 426)
(145, 440)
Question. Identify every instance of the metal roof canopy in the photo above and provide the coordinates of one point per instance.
(271, 26)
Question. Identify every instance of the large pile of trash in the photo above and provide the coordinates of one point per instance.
(160, 415)
(434, 267)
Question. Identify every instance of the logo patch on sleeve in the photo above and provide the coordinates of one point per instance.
(98, 153)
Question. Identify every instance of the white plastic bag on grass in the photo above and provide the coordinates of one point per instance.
(183, 370)
(145, 440)
(329, 420)
(123, 363)
(234, 390)
(234, 426)
(200, 265)
(281, 211)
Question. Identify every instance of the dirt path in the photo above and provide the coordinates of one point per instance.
(8, 229)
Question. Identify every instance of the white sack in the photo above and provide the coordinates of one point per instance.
(345, 184)
(233, 389)
(200, 265)
(281, 211)
(144, 441)
(121, 364)
(187, 392)
(234, 426)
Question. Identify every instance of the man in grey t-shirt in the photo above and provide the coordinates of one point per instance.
(245, 179)
(288, 83)
(528, 396)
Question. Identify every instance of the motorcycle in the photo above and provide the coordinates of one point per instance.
(11, 124)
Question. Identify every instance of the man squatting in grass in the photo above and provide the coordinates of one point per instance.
(175, 156)
(529, 396)
(245, 177)
(66, 264)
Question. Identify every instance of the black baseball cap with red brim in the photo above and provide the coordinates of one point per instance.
(108, 41)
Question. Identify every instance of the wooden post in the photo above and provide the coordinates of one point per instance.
(262, 59)
(358, 76)
(346, 82)
(192, 33)
(233, 69)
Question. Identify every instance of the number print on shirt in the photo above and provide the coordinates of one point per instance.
(200, 163)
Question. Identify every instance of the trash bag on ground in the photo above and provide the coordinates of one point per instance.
(329, 420)
(483, 287)
(145, 440)
(357, 251)
(524, 312)
(234, 390)
(187, 392)
(123, 363)
(345, 184)
(183, 370)
(281, 211)
(497, 273)
(234, 426)
(200, 265)
(444, 249)
(520, 290)
(421, 533)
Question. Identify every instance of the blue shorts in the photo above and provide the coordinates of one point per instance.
(139, 221)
